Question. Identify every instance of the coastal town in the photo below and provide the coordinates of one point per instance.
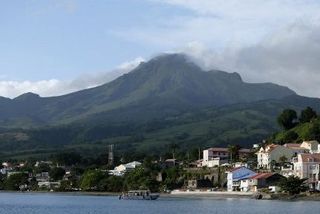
(231, 170)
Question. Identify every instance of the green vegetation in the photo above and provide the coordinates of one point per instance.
(56, 173)
(287, 119)
(166, 101)
(234, 152)
(307, 115)
(16, 181)
(293, 185)
(165, 86)
(241, 124)
(91, 180)
(308, 128)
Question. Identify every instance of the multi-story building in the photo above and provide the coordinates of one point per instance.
(308, 166)
(296, 148)
(234, 177)
(312, 146)
(123, 168)
(272, 153)
(217, 156)
(260, 180)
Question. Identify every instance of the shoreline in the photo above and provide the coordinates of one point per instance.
(218, 195)
(247, 195)
(195, 195)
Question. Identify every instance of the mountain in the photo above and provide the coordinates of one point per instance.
(166, 100)
(164, 86)
(242, 124)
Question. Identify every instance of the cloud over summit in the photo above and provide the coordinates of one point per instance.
(288, 57)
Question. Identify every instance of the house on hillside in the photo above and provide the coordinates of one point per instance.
(272, 153)
(170, 163)
(48, 185)
(312, 146)
(42, 177)
(217, 156)
(123, 168)
(6, 167)
(296, 148)
(234, 177)
(308, 166)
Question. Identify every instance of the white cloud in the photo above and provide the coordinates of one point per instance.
(288, 57)
(54, 87)
(221, 23)
(265, 41)
(131, 64)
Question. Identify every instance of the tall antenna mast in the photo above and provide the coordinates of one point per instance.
(110, 155)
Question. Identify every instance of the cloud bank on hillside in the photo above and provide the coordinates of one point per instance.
(54, 87)
(289, 57)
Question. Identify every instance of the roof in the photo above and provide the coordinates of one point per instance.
(294, 146)
(241, 173)
(245, 150)
(235, 169)
(271, 147)
(306, 157)
(218, 149)
(133, 164)
(171, 160)
(290, 145)
(310, 141)
(262, 175)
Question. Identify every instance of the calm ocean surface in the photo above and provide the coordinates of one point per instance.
(17, 203)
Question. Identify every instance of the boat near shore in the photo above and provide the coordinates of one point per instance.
(139, 195)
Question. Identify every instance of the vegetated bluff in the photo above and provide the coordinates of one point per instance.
(164, 86)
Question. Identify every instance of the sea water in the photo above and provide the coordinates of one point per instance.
(41, 203)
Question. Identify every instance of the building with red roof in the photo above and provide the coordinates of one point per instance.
(259, 181)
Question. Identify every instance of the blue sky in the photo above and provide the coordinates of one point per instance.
(60, 39)
(52, 47)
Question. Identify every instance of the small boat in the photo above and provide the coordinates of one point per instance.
(139, 195)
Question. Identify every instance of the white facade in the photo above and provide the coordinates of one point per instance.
(296, 148)
(312, 146)
(214, 162)
(123, 168)
(215, 157)
(272, 153)
(308, 166)
(48, 184)
(235, 177)
(246, 184)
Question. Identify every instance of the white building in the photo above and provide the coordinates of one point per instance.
(217, 156)
(260, 180)
(123, 168)
(235, 176)
(308, 166)
(213, 162)
(296, 148)
(272, 153)
(49, 185)
(311, 146)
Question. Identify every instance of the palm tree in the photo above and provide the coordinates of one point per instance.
(234, 152)
(174, 148)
